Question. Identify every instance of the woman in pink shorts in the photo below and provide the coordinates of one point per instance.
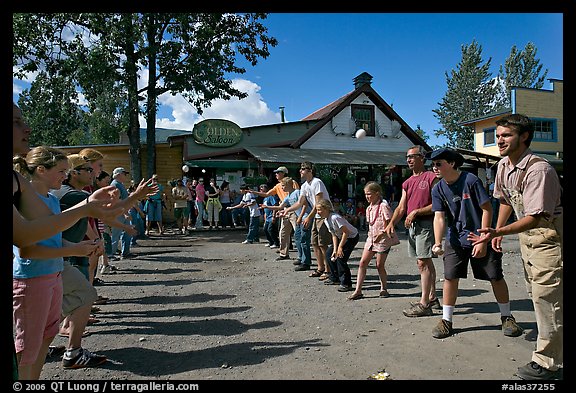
(378, 214)
(36, 269)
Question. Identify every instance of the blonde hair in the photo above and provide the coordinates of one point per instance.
(286, 180)
(374, 187)
(45, 156)
(325, 204)
(90, 154)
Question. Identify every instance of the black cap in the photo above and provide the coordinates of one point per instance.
(447, 154)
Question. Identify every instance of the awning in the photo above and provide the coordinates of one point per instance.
(287, 155)
(228, 164)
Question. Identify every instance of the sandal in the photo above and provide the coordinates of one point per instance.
(384, 293)
(316, 273)
(324, 276)
(356, 296)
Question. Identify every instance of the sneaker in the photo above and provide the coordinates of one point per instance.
(443, 329)
(534, 371)
(107, 269)
(128, 256)
(433, 304)
(84, 358)
(418, 310)
(510, 328)
(330, 282)
(55, 351)
(246, 242)
(98, 281)
(273, 246)
(302, 267)
(282, 257)
(344, 288)
(296, 262)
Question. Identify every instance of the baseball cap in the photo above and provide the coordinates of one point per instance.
(76, 161)
(447, 154)
(281, 169)
(118, 171)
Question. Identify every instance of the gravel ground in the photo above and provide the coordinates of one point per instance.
(205, 307)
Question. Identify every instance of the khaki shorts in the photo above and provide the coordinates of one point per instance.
(77, 290)
(320, 234)
(421, 239)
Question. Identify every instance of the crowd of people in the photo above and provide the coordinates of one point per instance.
(70, 216)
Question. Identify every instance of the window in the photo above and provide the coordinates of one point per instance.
(544, 130)
(489, 136)
(363, 116)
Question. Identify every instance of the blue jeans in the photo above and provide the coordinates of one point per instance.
(138, 223)
(339, 269)
(303, 240)
(119, 235)
(271, 232)
(254, 229)
(200, 218)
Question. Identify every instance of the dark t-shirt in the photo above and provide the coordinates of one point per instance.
(69, 197)
(461, 202)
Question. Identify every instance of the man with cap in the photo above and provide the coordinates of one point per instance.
(416, 204)
(120, 176)
(285, 226)
(460, 201)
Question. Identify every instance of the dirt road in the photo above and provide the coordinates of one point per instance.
(205, 307)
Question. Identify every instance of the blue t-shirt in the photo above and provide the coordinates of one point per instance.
(29, 268)
(269, 213)
(292, 198)
(461, 202)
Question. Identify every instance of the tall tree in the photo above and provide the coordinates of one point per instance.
(521, 69)
(470, 93)
(191, 54)
(52, 112)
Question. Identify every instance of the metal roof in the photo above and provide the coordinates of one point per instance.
(288, 155)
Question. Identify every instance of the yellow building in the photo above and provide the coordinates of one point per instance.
(544, 107)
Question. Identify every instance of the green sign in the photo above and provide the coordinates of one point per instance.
(217, 133)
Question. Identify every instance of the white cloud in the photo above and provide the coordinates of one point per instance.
(176, 113)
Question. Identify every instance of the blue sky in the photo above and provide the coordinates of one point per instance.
(408, 55)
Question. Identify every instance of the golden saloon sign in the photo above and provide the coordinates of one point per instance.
(217, 133)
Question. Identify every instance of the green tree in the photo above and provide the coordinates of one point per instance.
(521, 69)
(421, 132)
(52, 113)
(471, 93)
(190, 54)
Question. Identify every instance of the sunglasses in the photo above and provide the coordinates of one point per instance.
(413, 156)
(84, 169)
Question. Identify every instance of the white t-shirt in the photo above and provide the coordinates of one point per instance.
(254, 209)
(313, 188)
(335, 222)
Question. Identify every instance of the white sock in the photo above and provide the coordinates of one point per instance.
(447, 312)
(505, 309)
(71, 353)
